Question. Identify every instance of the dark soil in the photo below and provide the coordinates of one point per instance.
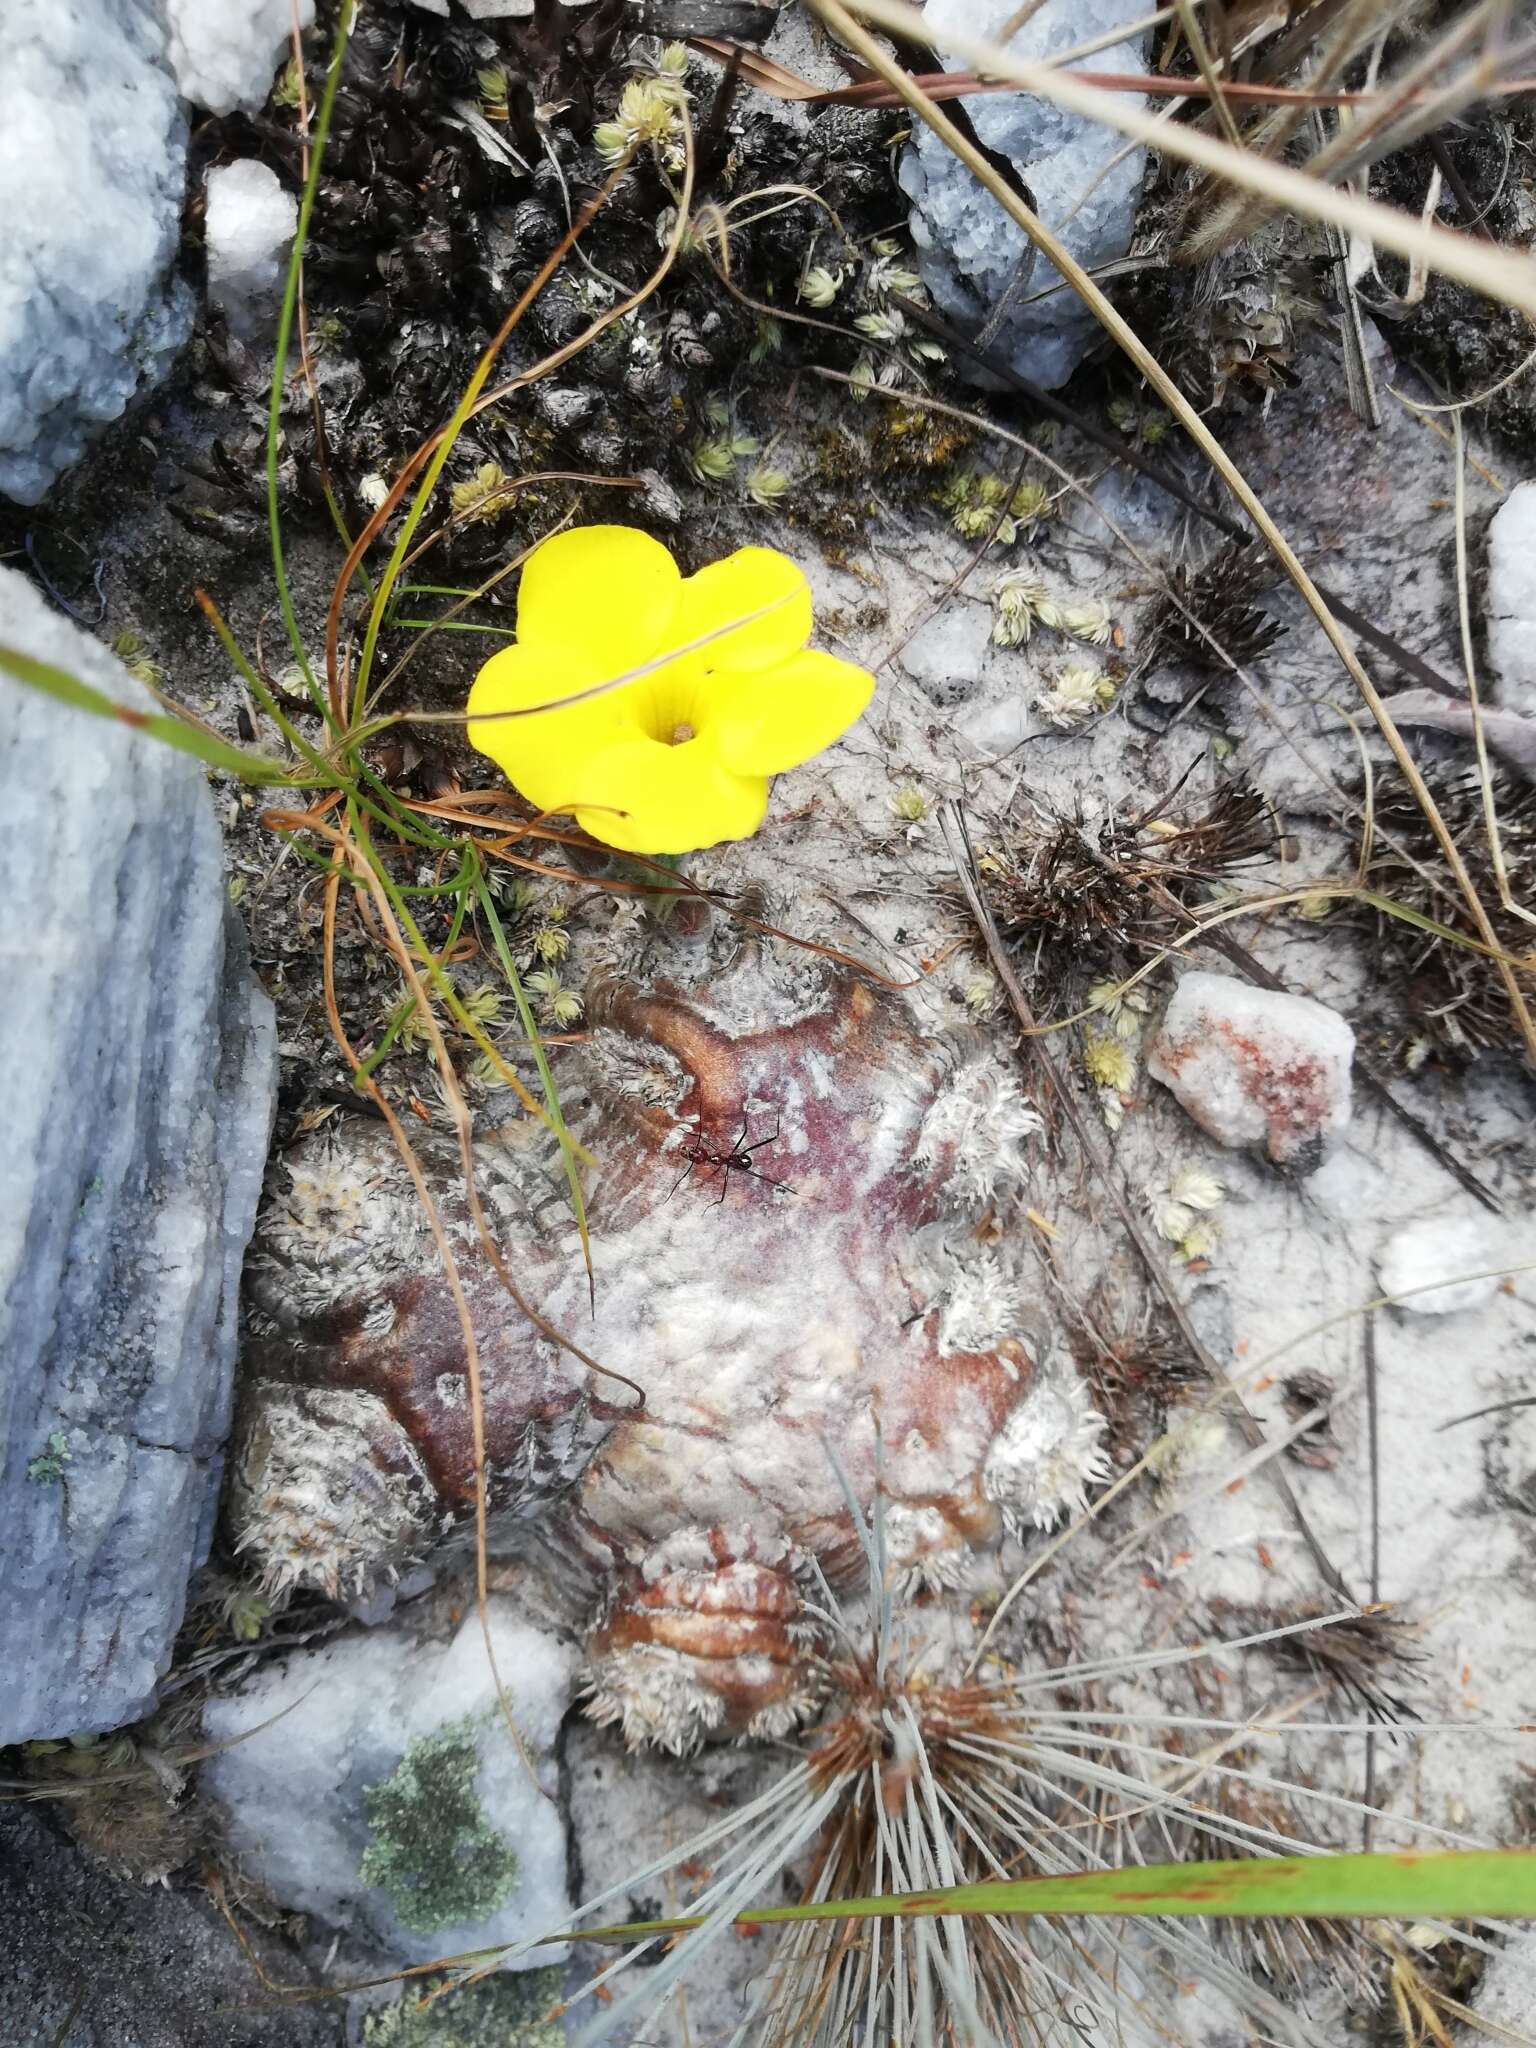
(90, 1960)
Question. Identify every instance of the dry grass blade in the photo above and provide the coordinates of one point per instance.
(347, 859)
(780, 83)
(602, 689)
(1049, 84)
(357, 860)
(1189, 22)
(1492, 271)
(479, 403)
(431, 456)
(1127, 452)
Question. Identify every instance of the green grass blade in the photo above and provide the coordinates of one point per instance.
(258, 689)
(437, 979)
(171, 731)
(452, 626)
(546, 1078)
(284, 339)
(1455, 1885)
(1406, 914)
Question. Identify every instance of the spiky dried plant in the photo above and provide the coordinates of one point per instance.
(922, 1774)
(1451, 998)
(1129, 1351)
(1219, 593)
(1094, 887)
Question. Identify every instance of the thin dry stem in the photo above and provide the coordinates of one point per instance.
(347, 857)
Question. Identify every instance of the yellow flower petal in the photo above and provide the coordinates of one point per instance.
(543, 755)
(676, 798)
(762, 724)
(751, 580)
(606, 594)
(678, 758)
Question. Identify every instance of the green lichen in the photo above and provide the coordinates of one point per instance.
(502, 2012)
(47, 1468)
(433, 1849)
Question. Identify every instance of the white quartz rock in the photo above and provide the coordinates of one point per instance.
(378, 1710)
(1511, 601)
(1253, 1067)
(969, 248)
(92, 159)
(1445, 1248)
(224, 52)
(250, 225)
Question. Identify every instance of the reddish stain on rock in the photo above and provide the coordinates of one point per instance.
(1253, 1067)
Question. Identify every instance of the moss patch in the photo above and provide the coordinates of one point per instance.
(503, 2012)
(433, 1849)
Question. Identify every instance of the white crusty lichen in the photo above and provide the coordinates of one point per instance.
(981, 1306)
(923, 1550)
(1046, 1455)
(660, 1698)
(308, 1498)
(343, 1209)
(975, 1128)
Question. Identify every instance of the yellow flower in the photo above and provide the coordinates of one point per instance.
(680, 757)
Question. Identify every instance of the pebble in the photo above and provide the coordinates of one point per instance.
(1255, 1067)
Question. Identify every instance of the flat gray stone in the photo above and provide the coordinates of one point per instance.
(140, 1056)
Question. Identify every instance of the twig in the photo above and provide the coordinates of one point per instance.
(1495, 1408)
(1471, 216)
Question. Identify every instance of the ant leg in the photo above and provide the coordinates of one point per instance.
(766, 1178)
(725, 1179)
(690, 1162)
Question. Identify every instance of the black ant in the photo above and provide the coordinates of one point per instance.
(705, 1160)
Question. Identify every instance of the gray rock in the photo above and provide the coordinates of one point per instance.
(92, 162)
(1256, 1066)
(249, 228)
(141, 1061)
(969, 249)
